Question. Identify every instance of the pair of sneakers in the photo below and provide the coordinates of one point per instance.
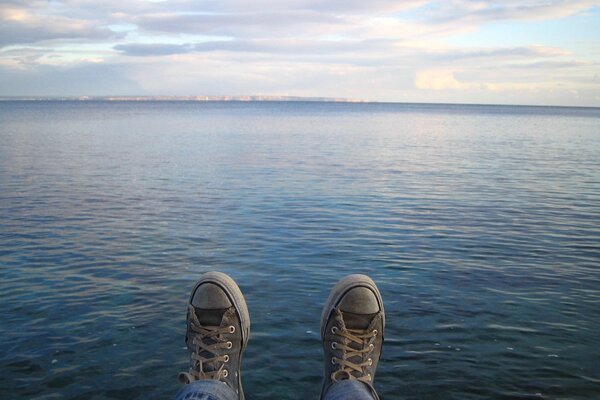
(218, 329)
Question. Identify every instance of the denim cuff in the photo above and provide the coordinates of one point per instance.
(206, 390)
(350, 390)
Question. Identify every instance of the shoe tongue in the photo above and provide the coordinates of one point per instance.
(209, 316)
(357, 321)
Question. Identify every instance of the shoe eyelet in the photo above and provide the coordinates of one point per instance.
(369, 377)
(230, 345)
(370, 361)
(334, 330)
(225, 373)
(371, 346)
(333, 360)
(334, 345)
(231, 329)
(375, 332)
(226, 358)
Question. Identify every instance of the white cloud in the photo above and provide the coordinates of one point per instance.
(437, 80)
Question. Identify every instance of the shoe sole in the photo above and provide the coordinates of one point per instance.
(236, 297)
(341, 288)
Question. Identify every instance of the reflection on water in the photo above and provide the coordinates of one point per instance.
(481, 225)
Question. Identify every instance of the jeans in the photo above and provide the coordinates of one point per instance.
(215, 390)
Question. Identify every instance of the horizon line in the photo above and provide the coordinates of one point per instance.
(258, 99)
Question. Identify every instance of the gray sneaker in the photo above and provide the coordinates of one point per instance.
(352, 327)
(218, 329)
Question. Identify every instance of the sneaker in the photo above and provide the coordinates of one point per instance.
(352, 326)
(218, 329)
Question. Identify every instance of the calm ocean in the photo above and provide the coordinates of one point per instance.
(480, 224)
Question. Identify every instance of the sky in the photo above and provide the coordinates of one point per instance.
(544, 52)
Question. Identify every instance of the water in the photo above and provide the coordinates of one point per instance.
(480, 224)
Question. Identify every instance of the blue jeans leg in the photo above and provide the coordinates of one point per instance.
(206, 390)
(350, 390)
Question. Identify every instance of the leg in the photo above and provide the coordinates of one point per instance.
(352, 327)
(206, 390)
(218, 329)
(350, 390)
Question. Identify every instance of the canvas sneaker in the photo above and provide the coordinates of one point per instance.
(352, 327)
(218, 329)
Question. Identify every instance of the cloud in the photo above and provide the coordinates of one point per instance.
(273, 47)
(548, 65)
(21, 26)
(434, 79)
(334, 7)
(237, 24)
(238, 19)
(154, 49)
(485, 11)
(500, 53)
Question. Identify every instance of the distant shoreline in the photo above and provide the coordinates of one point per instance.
(265, 99)
(184, 98)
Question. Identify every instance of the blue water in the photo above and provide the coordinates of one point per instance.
(480, 224)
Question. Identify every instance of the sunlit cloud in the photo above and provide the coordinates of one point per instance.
(437, 80)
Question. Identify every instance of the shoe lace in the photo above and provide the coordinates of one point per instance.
(353, 343)
(208, 358)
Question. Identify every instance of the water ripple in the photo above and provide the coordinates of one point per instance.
(480, 225)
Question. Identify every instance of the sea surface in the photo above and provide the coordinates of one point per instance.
(480, 224)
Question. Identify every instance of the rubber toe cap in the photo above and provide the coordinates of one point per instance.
(209, 296)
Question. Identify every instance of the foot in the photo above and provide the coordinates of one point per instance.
(218, 328)
(352, 326)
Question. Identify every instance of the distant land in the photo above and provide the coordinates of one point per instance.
(185, 98)
(264, 98)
